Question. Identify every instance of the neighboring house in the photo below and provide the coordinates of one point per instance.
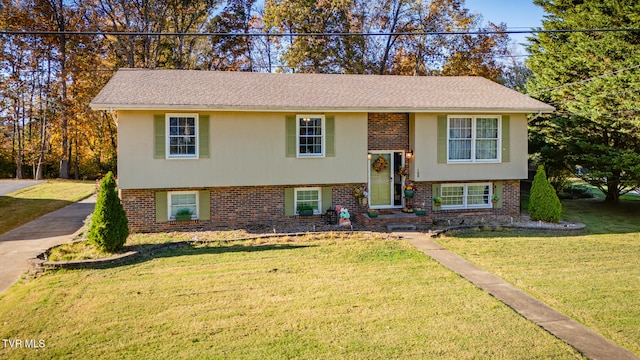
(240, 148)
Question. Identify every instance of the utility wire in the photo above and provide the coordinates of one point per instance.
(319, 34)
(583, 80)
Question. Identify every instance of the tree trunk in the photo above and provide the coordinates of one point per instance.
(19, 155)
(65, 164)
(613, 193)
(391, 39)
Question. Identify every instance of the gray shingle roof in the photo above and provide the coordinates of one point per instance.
(142, 89)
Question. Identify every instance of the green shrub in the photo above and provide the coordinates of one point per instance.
(109, 225)
(543, 202)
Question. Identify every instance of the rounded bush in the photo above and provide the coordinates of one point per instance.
(109, 225)
(544, 203)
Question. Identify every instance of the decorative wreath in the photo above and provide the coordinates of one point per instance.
(380, 164)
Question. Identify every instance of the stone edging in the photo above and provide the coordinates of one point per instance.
(38, 264)
(565, 228)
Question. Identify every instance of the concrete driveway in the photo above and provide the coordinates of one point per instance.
(31, 239)
(9, 186)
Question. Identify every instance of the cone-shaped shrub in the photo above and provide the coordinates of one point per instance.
(543, 202)
(109, 225)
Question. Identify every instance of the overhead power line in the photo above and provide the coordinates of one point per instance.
(318, 34)
(583, 80)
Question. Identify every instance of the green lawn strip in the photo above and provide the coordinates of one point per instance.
(292, 298)
(592, 278)
(22, 206)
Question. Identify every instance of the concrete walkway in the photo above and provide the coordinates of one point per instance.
(31, 239)
(583, 339)
(9, 186)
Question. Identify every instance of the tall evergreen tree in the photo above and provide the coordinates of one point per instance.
(109, 225)
(592, 78)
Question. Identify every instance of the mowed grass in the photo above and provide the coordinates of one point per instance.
(338, 297)
(594, 278)
(22, 206)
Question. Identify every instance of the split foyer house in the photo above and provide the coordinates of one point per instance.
(239, 148)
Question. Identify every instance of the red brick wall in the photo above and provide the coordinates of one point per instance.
(388, 131)
(259, 207)
(510, 201)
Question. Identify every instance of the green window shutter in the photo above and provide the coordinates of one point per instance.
(330, 130)
(204, 205)
(497, 190)
(203, 136)
(442, 139)
(327, 199)
(162, 210)
(435, 192)
(290, 136)
(160, 141)
(289, 206)
(505, 138)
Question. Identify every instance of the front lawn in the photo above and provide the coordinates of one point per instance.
(594, 278)
(333, 298)
(30, 203)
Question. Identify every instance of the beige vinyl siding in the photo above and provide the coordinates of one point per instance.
(428, 156)
(245, 149)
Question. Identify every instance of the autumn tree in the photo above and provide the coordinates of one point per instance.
(316, 54)
(233, 52)
(591, 77)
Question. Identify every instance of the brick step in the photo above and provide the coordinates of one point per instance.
(394, 221)
(401, 227)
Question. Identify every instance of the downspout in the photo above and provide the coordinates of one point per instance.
(114, 115)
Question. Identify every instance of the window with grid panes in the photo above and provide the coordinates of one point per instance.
(182, 137)
(308, 197)
(311, 133)
(473, 138)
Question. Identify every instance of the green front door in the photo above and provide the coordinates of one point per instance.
(380, 180)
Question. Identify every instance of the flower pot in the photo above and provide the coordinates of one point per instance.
(420, 212)
(372, 214)
(409, 194)
(305, 212)
(183, 217)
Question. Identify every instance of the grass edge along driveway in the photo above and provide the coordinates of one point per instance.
(22, 206)
(335, 297)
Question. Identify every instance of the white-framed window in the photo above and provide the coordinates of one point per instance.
(308, 197)
(466, 196)
(179, 202)
(182, 136)
(310, 139)
(473, 138)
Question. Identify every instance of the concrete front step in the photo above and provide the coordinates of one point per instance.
(394, 221)
(401, 227)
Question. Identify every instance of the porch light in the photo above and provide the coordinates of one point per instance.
(369, 156)
(409, 154)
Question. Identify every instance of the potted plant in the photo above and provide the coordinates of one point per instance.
(373, 213)
(305, 210)
(495, 199)
(361, 194)
(437, 201)
(183, 215)
(409, 190)
(420, 211)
